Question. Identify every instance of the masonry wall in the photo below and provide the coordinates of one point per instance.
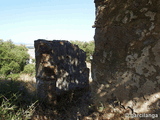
(126, 62)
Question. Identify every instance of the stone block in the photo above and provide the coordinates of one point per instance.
(60, 67)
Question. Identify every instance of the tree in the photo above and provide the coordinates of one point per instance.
(12, 57)
(88, 47)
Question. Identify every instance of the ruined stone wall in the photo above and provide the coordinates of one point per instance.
(126, 62)
(60, 67)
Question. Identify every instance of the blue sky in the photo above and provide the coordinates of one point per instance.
(24, 21)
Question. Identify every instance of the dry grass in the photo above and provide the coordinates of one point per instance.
(77, 108)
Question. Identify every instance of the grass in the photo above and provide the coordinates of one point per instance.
(10, 110)
(16, 101)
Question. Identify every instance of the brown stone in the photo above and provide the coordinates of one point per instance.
(126, 65)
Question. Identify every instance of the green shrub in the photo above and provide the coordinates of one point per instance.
(12, 57)
(87, 47)
(13, 76)
(33, 60)
(29, 69)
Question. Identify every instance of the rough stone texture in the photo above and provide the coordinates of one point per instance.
(126, 62)
(60, 67)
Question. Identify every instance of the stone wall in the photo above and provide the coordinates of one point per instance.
(126, 62)
(60, 67)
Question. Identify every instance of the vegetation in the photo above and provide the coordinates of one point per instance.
(17, 98)
(88, 47)
(12, 58)
(16, 103)
(29, 69)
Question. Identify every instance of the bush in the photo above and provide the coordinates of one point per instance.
(12, 58)
(29, 69)
(13, 76)
(87, 47)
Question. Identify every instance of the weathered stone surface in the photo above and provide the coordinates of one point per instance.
(60, 67)
(126, 62)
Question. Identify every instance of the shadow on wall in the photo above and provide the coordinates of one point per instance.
(125, 64)
(62, 78)
(62, 62)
